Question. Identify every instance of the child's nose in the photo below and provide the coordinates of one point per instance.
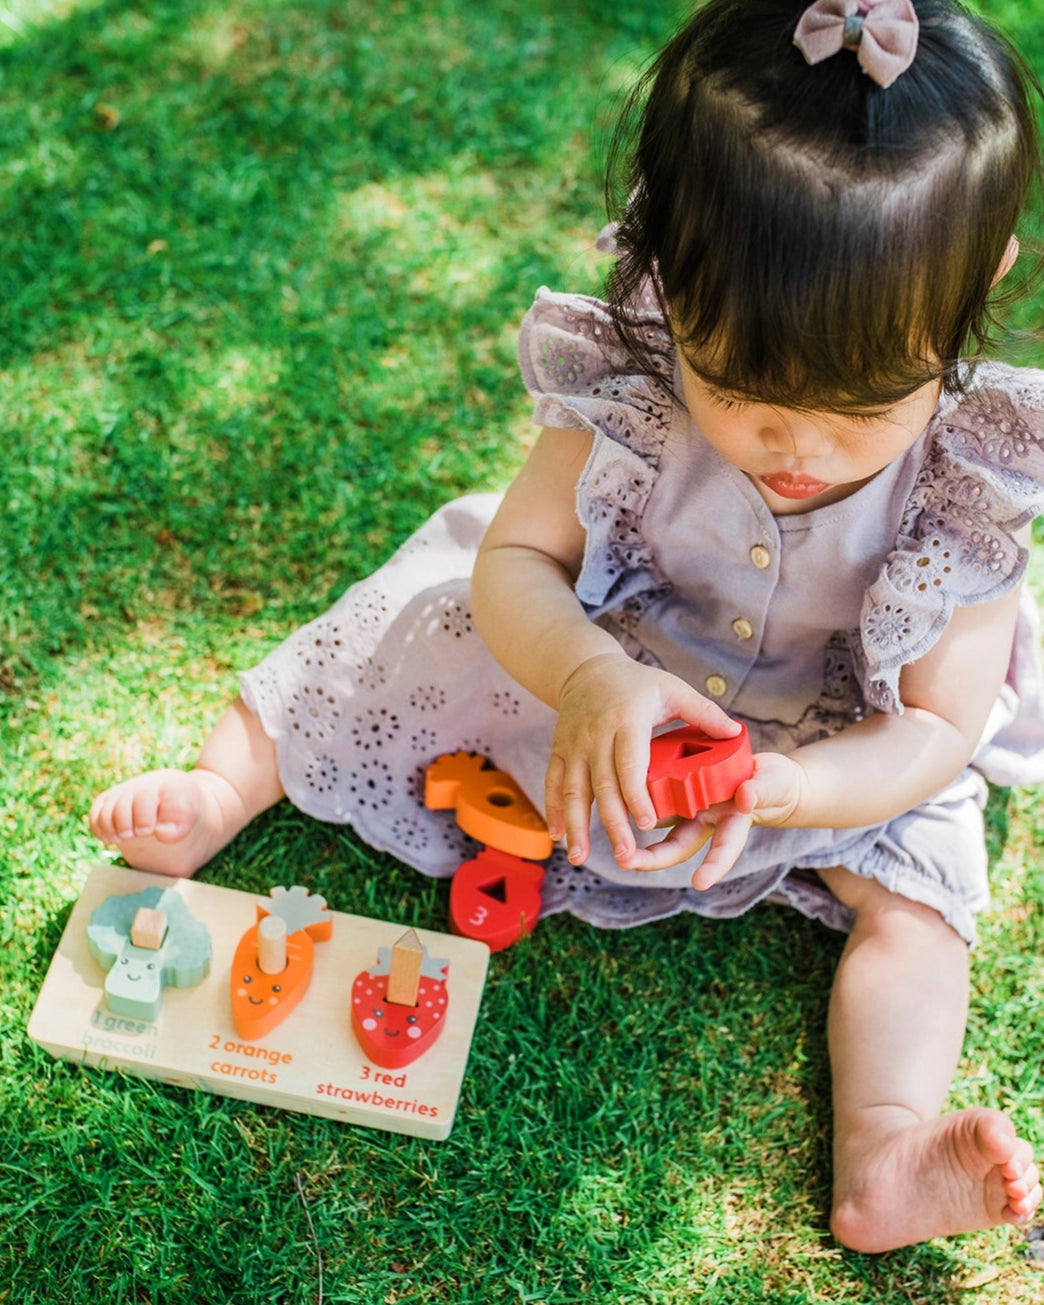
(795, 437)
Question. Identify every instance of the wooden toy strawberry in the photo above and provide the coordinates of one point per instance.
(689, 771)
(394, 1034)
(496, 898)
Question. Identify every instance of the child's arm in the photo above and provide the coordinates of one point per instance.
(522, 589)
(528, 614)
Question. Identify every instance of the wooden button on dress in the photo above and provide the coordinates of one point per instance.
(760, 556)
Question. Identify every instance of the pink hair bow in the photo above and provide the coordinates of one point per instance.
(883, 34)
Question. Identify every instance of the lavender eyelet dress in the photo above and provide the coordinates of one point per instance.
(799, 625)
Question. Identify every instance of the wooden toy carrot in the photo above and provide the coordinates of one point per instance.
(272, 965)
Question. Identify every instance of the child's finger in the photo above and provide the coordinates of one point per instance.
(631, 753)
(694, 709)
(773, 791)
(727, 844)
(612, 810)
(683, 841)
(576, 811)
(553, 804)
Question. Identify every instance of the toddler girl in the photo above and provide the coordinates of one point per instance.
(768, 489)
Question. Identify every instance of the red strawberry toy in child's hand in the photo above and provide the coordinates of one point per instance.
(392, 1034)
(689, 771)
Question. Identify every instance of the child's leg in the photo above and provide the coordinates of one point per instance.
(173, 821)
(903, 1173)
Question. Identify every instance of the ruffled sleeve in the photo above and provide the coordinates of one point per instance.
(982, 479)
(580, 378)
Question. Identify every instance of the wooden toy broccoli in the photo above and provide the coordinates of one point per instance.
(147, 941)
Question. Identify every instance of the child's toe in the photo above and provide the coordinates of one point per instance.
(144, 809)
(1019, 1163)
(1026, 1188)
(99, 817)
(1022, 1212)
(174, 817)
(122, 817)
(1018, 1189)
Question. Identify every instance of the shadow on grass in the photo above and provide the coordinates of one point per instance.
(261, 266)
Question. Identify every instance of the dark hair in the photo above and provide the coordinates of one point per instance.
(818, 241)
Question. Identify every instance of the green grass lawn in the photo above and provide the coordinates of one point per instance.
(261, 268)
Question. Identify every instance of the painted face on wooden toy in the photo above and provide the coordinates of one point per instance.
(259, 989)
(392, 1035)
(136, 976)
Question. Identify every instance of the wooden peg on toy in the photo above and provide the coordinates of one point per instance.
(689, 771)
(490, 806)
(149, 928)
(393, 1035)
(273, 962)
(496, 898)
(271, 944)
(136, 975)
(407, 956)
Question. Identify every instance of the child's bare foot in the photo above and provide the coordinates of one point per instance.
(904, 1182)
(169, 821)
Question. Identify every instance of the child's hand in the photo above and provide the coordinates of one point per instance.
(770, 797)
(608, 710)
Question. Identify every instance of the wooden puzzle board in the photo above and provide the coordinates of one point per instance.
(311, 1062)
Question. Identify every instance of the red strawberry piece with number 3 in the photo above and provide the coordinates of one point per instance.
(496, 898)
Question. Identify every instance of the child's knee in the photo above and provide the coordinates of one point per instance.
(873, 903)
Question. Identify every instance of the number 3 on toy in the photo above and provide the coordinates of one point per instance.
(496, 898)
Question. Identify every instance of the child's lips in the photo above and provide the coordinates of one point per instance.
(790, 486)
